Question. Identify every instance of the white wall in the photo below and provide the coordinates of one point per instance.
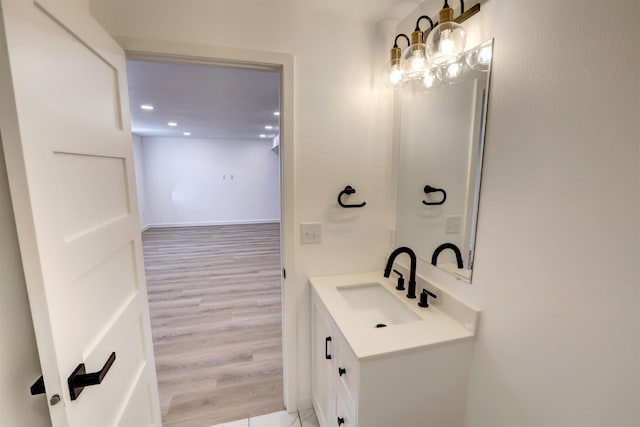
(138, 160)
(558, 247)
(191, 181)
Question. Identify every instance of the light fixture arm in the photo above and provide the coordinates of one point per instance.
(464, 15)
(396, 52)
(395, 41)
(446, 5)
(420, 19)
(427, 31)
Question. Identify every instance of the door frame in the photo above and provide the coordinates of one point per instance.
(164, 51)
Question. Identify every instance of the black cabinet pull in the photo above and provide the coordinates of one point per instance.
(38, 387)
(326, 348)
(340, 421)
(79, 379)
(349, 190)
(341, 371)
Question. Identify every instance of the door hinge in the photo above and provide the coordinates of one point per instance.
(284, 273)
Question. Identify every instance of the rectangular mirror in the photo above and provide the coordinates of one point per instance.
(440, 163)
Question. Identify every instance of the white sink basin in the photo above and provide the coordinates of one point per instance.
(374, 306)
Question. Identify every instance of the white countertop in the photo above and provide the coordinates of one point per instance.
(434, 328)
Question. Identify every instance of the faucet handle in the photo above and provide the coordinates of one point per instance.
(424, 296)
(400, 285)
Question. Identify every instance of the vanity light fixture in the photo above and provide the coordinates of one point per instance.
(446, 42)
(268, 127)
(262, 135)
(147, 107)
(276, 113)
(392, 75)
(186, 133)
(441, 57)
(172, 124)
(414, 58)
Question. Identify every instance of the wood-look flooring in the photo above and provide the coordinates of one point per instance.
(216, 316)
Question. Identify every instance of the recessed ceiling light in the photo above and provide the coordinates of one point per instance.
(172, 124)
(268, 127)
(276, 113)
(262, 135)
(186, 133)
(146, 107)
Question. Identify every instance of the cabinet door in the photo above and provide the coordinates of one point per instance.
(347, 374)
(323, 365)
(344, 416)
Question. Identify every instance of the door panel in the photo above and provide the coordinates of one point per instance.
(82, 209)
(69, 156)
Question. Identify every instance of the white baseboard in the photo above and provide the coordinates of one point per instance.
(203, 224)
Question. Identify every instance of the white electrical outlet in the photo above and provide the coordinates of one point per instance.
(310, 232)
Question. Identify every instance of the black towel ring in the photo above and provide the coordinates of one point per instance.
(429, 189)
(348, 190)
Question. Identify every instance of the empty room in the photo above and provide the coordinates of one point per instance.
(208, 181)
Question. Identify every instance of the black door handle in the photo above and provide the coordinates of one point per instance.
(341, 371)
(38, 387)
(326, 348)
(79, 379)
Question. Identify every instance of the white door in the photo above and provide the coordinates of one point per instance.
(64, 121)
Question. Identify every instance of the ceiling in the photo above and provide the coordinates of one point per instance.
(207, 101)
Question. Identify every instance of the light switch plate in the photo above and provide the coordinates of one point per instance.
(310, 232)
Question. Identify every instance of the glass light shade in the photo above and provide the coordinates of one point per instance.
(480, 57)
(414, 61)
(392, 74)
(427, 82)
(453, 73)
(446, 43)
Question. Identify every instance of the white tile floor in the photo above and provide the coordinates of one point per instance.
(278, 419)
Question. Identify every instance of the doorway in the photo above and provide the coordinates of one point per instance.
(206, 139)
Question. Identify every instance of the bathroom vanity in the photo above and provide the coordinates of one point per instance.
(411, 372)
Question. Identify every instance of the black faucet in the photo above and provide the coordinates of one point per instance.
(411, 292)
(442, 247)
